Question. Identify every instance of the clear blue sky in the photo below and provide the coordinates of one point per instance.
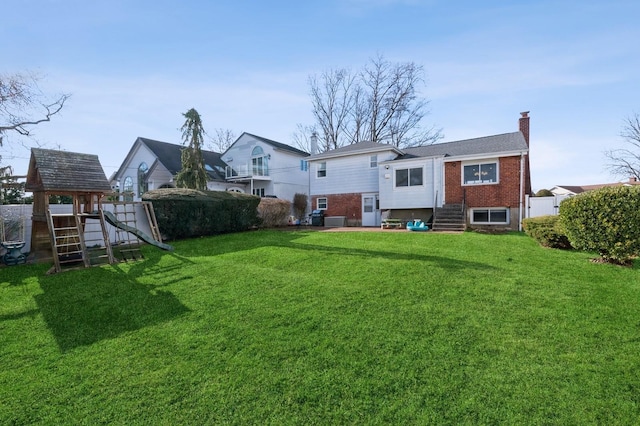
(133, 66)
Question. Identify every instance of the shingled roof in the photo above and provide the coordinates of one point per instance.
(355, 148)
(496, 144)
(53, 170)
(170, 156)
(277, 145)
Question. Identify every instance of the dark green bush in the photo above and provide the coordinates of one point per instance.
(274, 212)
(546, 231)
(606, 221)
(188, 213)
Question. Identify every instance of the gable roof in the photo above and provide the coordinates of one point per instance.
(487, 145)
(276, 145)
(578, 189)
(496, 144)
(54, 170)
(356, 148)
(170, 156)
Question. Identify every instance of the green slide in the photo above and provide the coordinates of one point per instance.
(111, 219)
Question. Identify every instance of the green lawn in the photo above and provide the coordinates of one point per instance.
(275, 327)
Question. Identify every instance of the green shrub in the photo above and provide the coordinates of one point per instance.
(274, 212)
(546, 230)
(188, 213)
(606, 221)
(300, 202)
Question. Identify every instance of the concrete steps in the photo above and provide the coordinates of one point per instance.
(450, 217)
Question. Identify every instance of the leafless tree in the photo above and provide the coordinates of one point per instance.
(302, 137)
(222, 140)
(381, 104)
(626, 161)
(332, 100)
(23, 105)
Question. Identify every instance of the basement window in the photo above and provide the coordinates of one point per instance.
(497, 216)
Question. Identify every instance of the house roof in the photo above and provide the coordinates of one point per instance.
(53, 170)
(487, 145)
(170, 156)
(578, 189)
(496, 144)
(277, 145)
(356, 148)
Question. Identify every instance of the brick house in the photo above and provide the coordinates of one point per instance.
(484, 181)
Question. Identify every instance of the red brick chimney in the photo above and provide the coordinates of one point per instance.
(524, 125)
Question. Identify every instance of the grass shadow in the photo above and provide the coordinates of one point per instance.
(86, 306)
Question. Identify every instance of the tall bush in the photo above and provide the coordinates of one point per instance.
(606, 221)
(274, 212)
(300, 205)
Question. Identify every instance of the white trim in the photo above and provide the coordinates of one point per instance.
(464, 164)
(326, 203)
(318, 170)
(409, 186)
(489, 209)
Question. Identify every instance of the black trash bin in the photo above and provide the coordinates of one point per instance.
(317, 218)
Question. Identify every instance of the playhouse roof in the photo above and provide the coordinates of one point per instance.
(52, 170)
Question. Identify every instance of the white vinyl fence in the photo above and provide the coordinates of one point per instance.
(542, 206)
(14, 215)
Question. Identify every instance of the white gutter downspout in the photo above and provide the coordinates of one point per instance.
(521, 209)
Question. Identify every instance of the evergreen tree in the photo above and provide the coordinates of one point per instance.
(193, 174)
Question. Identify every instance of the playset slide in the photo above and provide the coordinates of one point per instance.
(112, 220)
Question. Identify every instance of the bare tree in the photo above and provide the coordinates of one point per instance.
(626, 161)
(222, 140)
(302, 137)
(379, 104)
(332, 100)
(23, 105)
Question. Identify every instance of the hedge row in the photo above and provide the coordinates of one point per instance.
(546, 230)
(188, 213)
(606, 221)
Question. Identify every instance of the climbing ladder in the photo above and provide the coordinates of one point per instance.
(75, 243)
(128, 244)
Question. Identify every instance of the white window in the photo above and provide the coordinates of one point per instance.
(258, 191)
(409, 177)
(259, 162)
(480, 173)
(322, 169)
(143, 185)
(127, 189)
(493, 216)
(373, 161)
(322, 203)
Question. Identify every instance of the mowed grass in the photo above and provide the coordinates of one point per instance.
(275, 327)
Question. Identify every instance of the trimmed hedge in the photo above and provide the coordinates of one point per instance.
(606, 221)
(546, 230)
(188, 213)
(274, 212)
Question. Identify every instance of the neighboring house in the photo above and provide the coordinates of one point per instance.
(266, 167)
(486, 178)
(252, 164)
(152, 164)
(575, 190)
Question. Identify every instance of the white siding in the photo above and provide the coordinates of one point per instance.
(423, 196)
(285, 176)
(347, 175)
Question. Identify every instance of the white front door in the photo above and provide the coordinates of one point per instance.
(370, 210)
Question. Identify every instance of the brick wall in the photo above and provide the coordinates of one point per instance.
(348, 205)
(504, 194)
